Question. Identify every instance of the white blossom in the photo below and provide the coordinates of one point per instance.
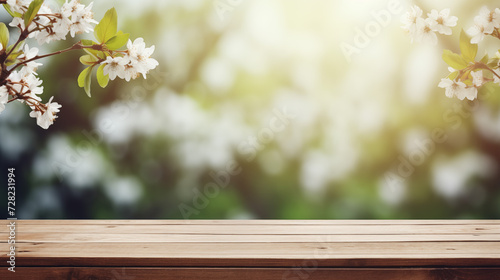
(81, 17)
(42, 20)
(469, 93)
(46, 114)
(140, 56)
(484, 24)
(495, 77)
(19, 22)
(4, 97)
(442, 21)
(130, 72)
(409, 19)
(477, 78)
(83, 22)
(18, 6)
(114, 67)
(44, 10)
(34, 84)
(31, 67)
(477, 32)
(424, 32)
(28, 53)
(74, 18)
(62, 23)
(489, 19)
(58, 31)
(137, 60)
(458, 89)
(72, 8)
(26, 85)
(136, 48)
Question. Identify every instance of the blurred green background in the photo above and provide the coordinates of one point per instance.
(264, 87)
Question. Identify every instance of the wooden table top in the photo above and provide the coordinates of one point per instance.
(275, 246)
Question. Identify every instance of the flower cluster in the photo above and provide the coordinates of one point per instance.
(48, 26)
(19, 80)
(424, 29)
(486, 23)
(25, 86)
(470, 75)
(131, 63)
(467, 74)
(458, 89)
(465, 83)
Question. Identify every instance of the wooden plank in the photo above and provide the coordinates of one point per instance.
(268, 229)
(236, 254)
(259, 222)
(256, 250)
(50, 237)
(346, 261)
(301, 273)
(256, 244)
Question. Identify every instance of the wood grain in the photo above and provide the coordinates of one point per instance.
(388, 229)
(120, 273)
(76, 237)
(256, 249)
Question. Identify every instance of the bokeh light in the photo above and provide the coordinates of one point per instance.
(256, 112)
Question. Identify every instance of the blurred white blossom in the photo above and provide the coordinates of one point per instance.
(451, 176)
(410, 18)
(442, 21)
(484, 24)
(458, 89)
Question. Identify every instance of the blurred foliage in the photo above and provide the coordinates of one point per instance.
(220, 79)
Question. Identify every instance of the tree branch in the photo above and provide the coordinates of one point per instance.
(77, 46)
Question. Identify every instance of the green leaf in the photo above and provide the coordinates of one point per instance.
(101, 78)
(82, 76)
(493, 63)
(466, 78)
(95, 53)
(453, 76)
(14, 54)
(456, 61)
(32, 11)
(92, 52)
(469, 51)
(85, 79)
(86, 42)
(12, 13)
(12, 59)
(485, 59)
(118, 41)
(108, 26)
(18, 47)
(4, 35)
(88, 59)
